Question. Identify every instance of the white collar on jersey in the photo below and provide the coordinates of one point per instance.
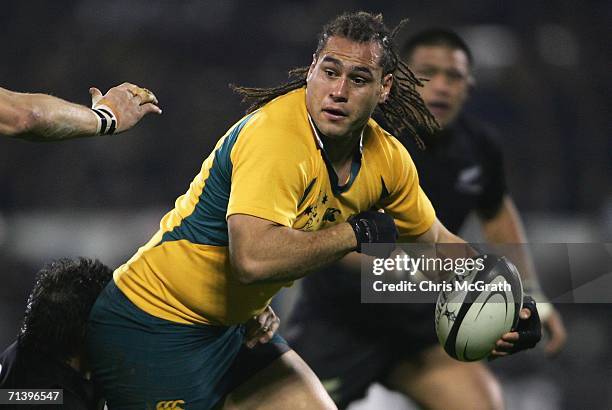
(320, 142)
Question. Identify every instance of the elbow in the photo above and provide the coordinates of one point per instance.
(24, 122)
(246, 270)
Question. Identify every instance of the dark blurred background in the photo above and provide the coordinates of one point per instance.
(543, 78)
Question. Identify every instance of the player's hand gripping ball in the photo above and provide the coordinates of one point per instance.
(481, 306)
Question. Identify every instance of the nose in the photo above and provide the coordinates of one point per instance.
(339, 91)
(439, 84)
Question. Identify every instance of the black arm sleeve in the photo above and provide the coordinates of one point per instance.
(495, 187)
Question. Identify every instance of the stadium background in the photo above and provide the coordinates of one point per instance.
(543, 73)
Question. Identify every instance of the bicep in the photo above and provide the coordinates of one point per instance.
(244, 230)
(245, 233)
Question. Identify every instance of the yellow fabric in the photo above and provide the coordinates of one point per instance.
(276, 171)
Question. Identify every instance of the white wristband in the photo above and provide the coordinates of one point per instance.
(532, 288)
(107, 120)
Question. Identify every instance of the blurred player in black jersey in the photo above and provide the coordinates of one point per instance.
(48, 351)
(349, 345)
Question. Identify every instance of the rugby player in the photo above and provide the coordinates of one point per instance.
(49, 350)
(462, 172)
(48, 353)
(288, 189)
(41, 117)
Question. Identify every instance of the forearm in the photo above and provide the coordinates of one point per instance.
(41, 117)
(445, 245)
(507, 228)
(281, 254)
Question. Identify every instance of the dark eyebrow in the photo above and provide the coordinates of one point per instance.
(328, 59)
(335, 61)
(363, 69)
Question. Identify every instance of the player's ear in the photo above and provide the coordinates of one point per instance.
(387, 83)
(312, 66)
(471, 82)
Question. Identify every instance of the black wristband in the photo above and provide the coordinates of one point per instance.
(374, 227)
(361, 229)
(529, 330)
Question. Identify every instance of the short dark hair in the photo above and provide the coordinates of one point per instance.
(435, 37)
(59, 305)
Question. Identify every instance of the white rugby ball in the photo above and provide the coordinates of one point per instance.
(479, 308)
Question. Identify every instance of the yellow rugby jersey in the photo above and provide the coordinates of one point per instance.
(271, 165)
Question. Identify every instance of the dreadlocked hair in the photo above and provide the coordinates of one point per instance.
(404, 110)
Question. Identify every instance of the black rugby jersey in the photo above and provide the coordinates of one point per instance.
(461, 171)
(20, 369)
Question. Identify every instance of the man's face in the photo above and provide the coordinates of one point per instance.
(344, 85)
(448, 71)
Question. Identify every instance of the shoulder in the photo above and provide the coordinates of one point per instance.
(285, 113)
(387, 157)
(481, 134)
(283, 122)
(277, 136)
(386, 147)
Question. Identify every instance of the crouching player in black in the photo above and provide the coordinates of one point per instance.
(461, 171)
(48, 350)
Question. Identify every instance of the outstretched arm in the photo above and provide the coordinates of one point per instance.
(41, 117)
(506, 226)
(262, 251)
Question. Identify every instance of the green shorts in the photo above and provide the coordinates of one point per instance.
(140, 361)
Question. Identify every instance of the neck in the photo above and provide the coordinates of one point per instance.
(341, 150)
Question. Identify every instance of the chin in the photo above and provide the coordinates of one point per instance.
(333, 132)
(443, 124)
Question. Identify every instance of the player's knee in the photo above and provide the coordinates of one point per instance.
(436, 381)
(483, 387)
(287, 382)
(466, 386)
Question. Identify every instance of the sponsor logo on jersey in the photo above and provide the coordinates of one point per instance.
(170, 405)
(330, 215)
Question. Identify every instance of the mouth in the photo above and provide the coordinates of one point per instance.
(438, 107)
(334, 114)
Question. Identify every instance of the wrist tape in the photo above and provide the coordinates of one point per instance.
(531, 287)
(107, 121)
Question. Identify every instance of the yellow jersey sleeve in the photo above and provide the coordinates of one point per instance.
(406, 201)
(268, 173)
